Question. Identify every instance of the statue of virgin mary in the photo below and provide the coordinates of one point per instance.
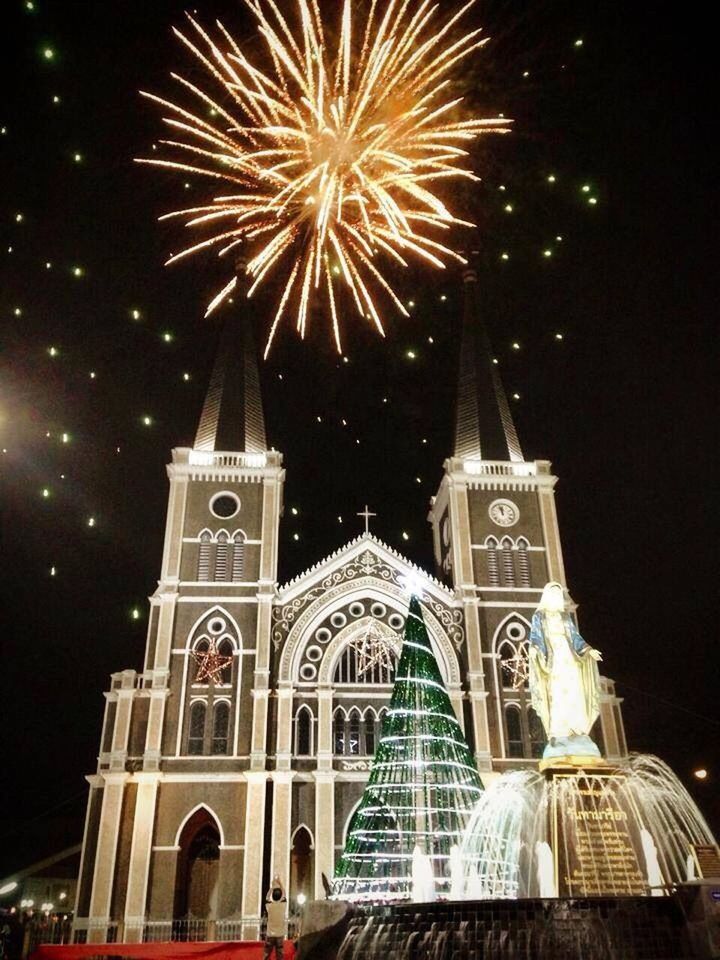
(564, 678)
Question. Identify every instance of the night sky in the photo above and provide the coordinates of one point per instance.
(105, 357)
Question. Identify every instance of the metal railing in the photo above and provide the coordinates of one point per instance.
(194, 930)
(185, 929)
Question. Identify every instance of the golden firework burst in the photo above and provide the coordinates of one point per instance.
(330, 154)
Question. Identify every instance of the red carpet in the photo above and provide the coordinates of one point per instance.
(249, 950)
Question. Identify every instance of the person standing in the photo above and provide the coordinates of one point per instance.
(276, 910)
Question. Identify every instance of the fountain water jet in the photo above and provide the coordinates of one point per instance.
(629, 829)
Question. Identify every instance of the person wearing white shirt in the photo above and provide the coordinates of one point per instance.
(276, 910)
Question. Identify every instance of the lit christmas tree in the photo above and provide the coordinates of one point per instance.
(423, 784)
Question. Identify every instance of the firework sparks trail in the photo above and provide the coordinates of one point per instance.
(329, 161)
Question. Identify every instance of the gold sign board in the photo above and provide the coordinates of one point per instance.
(597, 850)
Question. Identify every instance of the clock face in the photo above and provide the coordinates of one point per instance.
(503, 512)
(446, 531)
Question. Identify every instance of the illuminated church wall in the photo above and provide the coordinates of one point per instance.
(244, 743)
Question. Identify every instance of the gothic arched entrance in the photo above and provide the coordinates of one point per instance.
(301, 866)
(196, 880)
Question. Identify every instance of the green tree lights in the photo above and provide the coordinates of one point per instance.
(423, 784)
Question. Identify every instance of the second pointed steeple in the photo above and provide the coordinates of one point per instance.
(484, 427)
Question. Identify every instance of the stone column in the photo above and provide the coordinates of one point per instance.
(254, 843)
(106, 851)
(324, 829)
(476, 683)
(324, 728)
(281, 825)
(284, 745)
(160, 677)
(123, 713)
(456, 699)
(140, 853)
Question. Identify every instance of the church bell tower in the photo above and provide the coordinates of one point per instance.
(496, 539)
(176, 807)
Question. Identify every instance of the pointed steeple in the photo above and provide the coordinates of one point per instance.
(484, 428)
(232, 416)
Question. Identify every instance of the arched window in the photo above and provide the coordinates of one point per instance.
(523, 562)
(524, 737)
(196, 729)
(221, 557)
(221, 727)
(238, 557)
(301, 866)
(492, 562)
(508, 567)
(339, 721)
(203, 571)
(304, 732)
(514, 731)
(352, 741)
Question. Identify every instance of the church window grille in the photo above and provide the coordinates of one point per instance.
(361, 662)
(515, 746)
(304, 732)
(221, 557)
(492, 562)
(196, 728)
(352, 740)
(523, 562)
(508, 566)
(238, 557)
(339, 721)
(221, 727)
(203, 572)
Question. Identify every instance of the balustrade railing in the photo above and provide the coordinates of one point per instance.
(195, 930)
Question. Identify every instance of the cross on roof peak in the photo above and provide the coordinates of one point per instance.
(366, 513)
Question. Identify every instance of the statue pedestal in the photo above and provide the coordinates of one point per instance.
(594, 830)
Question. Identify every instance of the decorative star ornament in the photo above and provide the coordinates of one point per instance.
(517, 669)
(374, 649)
(211, 664)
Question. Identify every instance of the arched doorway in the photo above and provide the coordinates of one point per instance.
(302, 880)
(196, 880)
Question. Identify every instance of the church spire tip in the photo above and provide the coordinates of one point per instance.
(484, 427)
(232, 417)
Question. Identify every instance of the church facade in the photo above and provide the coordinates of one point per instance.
(241, 746)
